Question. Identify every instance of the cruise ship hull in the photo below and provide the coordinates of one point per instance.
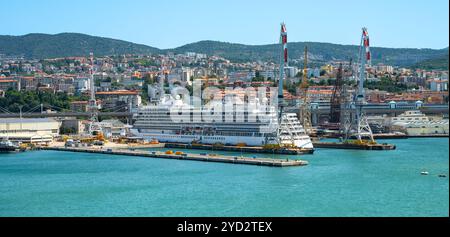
(226, 140)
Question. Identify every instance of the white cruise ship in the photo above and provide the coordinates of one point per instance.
(258, 127)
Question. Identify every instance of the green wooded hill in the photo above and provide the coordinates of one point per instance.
(39, 46)
(318, 52)
(439, 63)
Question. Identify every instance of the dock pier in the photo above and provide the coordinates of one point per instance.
(365, 146)
(251, 149)
(185, 156)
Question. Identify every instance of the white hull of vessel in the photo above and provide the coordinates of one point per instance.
(301, 142)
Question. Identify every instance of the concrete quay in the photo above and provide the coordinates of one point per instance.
(185, 156)
(253, 149)
(340, 145)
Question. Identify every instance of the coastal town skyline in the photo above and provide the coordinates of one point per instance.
(130, 124)
(160, 24)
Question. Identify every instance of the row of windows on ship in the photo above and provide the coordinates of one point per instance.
(227, 128)
(175, 126)
(197, 109)
(206, 113)
(242, 134)
(212, 121)
(191, 137)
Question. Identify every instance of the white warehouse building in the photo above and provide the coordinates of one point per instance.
(29, 130)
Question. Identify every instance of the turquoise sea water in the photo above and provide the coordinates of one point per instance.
(335, 183)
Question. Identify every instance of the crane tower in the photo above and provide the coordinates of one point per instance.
(335, 107)
(283, 64)
(360, 127)
(305, 109)
(93, 107)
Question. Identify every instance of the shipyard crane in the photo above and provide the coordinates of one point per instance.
(283, 65)
(282, 129)
(360, 127)
(335, 107)
(305, 109)
(93, 107)
(345, 112)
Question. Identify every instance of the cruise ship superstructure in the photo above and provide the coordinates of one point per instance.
(256, 127)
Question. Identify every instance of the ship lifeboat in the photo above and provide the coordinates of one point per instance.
(154, 141)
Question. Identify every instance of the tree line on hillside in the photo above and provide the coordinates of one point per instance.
(29, 100)
(40, 46)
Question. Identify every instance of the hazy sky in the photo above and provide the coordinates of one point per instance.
(168, 24)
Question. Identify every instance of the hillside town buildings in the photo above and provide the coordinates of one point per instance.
(122, 83)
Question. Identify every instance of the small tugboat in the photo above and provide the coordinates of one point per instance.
(7, 146)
